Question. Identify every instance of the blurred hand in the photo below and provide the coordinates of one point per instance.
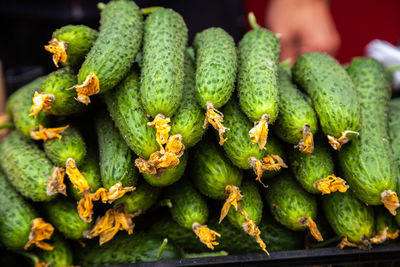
(304, 25)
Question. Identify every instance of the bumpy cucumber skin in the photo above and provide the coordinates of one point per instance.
(79, 39)
(238, 147)
(188, 205)
(63, 215)
(384, 219)
(288, 202)
(211, 171)
(124, 248)
(119, 40)
(251, 203)
(367, 162)
(126, 110)
(164, 43)
(189, 118)
(28, 89)
(16, 216)
(26, 166)
(274, 146)
(71, 145)
(394, 131)
(348, 216)
(259, 53)
(332, 92)
(216, 66)
(58, 83)
(117, 164)
(294, 111)
(20, 110)
(60, 256)
(143, 198)
(309, 168)
(170, 175)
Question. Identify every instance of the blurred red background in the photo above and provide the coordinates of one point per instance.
(358, 22)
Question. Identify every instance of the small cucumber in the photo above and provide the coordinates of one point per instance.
(386, 228)
(123, 249)
(332, 92)
(63, 215)
(78, 40)
(71, 145)
(16, 216)
(297, 117)
(367, 163)
(143, 198)
(164, 42)
(349, 217)
(126, 110)
(26, 166)
(168, 176)
(189, 118)
(116, 158)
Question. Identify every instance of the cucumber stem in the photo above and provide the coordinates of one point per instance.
(7, 125)
(161, 249)
(149, 10)
(205, 254)
(253, 21)
(393, 68)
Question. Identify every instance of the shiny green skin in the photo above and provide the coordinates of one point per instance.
(258, 54)
(124, 248)
(16, 216)
(117, 162)
(289, 202)
(79, 39)
(238, 146)
(143, 198)
(232, 239)
(60, 256)
(90, 169)
(58, 84)
(63, 215)
(126, 110)
(348, 216)
(164, 43)
(189, 118)
(20, 109)
(294, 111)
(28, 89)
(211, 171)
(71, 145)
(384, 219)
(251, 203)
(216, 66)
(115, 49)
(188, 205)
(367, 162)
(170, 175)
(309, 168)
(26, 166)
(331, 90)
(275, 147)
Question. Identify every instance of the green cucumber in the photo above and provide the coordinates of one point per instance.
(117, 162)
(119, 40)
(143, 198)
(211, 171)
(189, 118)
(349, 217)
(294, 112)
(164, 43)
(259, 53)
(71, 145)
(79, 39)
(394, 130)
(332, 92)
(216, 67)
(367, 163)
(63, 215)
(168, 176)
(126, 110)
(16, 215)
(60, 256)
(383, 220)
(26, 166)
(123, 249)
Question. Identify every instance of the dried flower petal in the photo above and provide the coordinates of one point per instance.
(206, 235)
(47, 133)
(233, 199)
(331, 184)
(41, 102)
(40, 230)
(215, 118)
(90, 86)
(259, 133)
(306, 144)
(58, 49)
(55, 183)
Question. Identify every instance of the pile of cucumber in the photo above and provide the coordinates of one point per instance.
(296, 157)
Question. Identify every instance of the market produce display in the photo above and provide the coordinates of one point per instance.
(299, 156)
